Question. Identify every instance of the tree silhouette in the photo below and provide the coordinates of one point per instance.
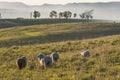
(67, 14)
(31, 14)
(75, 15)
(87, 15)
(53, 14)
(36, 14)
(61, 14)
(0, 15)
(82, 15)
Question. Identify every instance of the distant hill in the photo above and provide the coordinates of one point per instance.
(7, 24)
(109, 10)
(12, 5)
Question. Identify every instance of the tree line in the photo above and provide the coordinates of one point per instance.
(66, 14)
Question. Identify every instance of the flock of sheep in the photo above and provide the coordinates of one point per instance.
(45, 60)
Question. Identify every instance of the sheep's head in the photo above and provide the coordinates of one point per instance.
(40, 56)
(55, 56)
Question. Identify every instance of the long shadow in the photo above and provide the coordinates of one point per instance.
(58, 37)
(7, 23)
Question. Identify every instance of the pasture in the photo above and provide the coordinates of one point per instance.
(7, 23)
(68, 39)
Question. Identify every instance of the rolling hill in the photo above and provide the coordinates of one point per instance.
(69, 39)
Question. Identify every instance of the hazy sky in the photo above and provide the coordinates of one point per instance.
(38, 2)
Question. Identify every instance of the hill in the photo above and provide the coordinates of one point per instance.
(69, 40)
(13, 5)
(6, 23)
(108, 10)
(56, 32)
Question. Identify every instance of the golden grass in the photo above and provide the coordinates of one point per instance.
(71, 65)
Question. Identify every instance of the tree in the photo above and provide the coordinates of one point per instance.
(67, 14)
(36, 14)
(31, 14)
(61, 14)
(82, 15)
(75, 15)
(0, 15)
(53, 14)
(87, 15)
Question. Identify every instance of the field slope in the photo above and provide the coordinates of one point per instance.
(69, 40)
(7, 23)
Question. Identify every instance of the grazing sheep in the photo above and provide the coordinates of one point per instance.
(85, 53)
(40, 56)
(54, 56)
(46, 62)
(21, 62)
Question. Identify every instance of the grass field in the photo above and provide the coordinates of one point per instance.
(6, 23)
(69, 39)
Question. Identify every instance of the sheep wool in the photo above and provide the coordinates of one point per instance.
(46, 62)
(85, 53)
(54, 56)
(21, 62)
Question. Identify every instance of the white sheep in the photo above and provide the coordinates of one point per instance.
(54, 56)
(85, 53)
(46, 62)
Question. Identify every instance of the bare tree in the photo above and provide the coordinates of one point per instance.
(31, 14)
(82, 15)
(87, 15)
(0, 15)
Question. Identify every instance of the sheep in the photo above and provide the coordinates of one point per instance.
(85, 53)
(46, 62)
(54, 56)
(40, 56)
(21, 62)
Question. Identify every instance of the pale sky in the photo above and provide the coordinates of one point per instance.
(39, 2)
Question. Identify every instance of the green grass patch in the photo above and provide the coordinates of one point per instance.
(28, 33)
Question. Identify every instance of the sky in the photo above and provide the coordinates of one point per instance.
(39, 2)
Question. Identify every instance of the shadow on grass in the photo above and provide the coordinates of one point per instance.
(58, 37)
(7, 23)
